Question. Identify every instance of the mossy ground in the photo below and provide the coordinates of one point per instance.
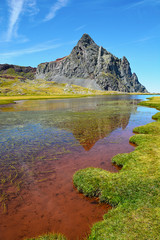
(134, 191)
(49, 237)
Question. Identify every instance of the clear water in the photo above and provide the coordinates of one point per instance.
(42, 144)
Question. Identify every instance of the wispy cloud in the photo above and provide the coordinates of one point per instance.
(145, 39)
(31, 7)
(142, 3)
(57, 6)
(80, 28)
(16, 8)
(38, 48)
(136, 42)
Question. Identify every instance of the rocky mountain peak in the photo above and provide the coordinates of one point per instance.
(125, 60)
(85, 41)
(92, 66)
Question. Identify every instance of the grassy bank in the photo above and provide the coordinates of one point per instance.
(12, 99)
(134, 192)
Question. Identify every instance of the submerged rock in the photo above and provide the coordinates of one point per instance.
(92, 66)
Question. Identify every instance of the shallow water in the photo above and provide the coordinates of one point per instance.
(42, 144)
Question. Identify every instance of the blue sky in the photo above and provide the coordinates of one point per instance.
(36, 31)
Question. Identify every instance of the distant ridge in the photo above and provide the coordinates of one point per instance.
(22, 71)
(90, 65)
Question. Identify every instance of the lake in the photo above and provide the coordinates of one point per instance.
(42, 144)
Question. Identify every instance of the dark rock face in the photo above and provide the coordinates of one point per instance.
(92, 66)
(28, 72)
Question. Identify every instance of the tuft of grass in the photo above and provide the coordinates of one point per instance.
(134, 192)
(49, 236)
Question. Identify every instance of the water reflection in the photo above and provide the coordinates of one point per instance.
(29, 129)
(42, 143)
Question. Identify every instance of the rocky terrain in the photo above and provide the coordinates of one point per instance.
(92, 66)
(26, 72)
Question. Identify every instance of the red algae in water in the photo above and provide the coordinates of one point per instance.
(51, 204)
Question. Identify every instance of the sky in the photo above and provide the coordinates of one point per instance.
(36, 31)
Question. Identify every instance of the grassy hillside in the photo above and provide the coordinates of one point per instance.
(13, 70)
(22, 85)
(14, 87)
(134, 192)
(11, 85)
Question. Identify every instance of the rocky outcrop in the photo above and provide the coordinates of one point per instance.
(27, 72)
(92, 66)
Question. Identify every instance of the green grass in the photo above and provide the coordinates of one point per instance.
(14, 87)
(153, 102)
(134, 192)
(18, 87)
(49, 237)
(12, 72)
(6, 101)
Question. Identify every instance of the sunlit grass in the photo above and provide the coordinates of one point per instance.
(14, 88)
(134, 192)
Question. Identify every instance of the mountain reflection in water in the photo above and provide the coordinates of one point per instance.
(42, 143)
(91, 125)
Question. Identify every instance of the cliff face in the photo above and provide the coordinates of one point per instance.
(92, 66)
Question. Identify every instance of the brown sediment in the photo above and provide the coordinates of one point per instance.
(48, 201)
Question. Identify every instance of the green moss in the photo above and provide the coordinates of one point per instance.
(151, 128)
(135, 190)
(156, 116)
(11, 71)
(153, 102)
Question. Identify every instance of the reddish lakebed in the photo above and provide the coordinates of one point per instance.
(42, 144)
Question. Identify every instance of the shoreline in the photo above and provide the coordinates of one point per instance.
(4, 100)
(133, 192)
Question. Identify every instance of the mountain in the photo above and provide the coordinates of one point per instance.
(26, 72)
(92, 66)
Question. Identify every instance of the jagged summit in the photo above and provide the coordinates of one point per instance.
(85, 40)
(90, 65)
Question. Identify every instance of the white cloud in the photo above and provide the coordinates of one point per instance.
(57, 6)
(80, 28)
(38, 48)
(16, 8)
(144, 39)
(142, 3)
(31, 7)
